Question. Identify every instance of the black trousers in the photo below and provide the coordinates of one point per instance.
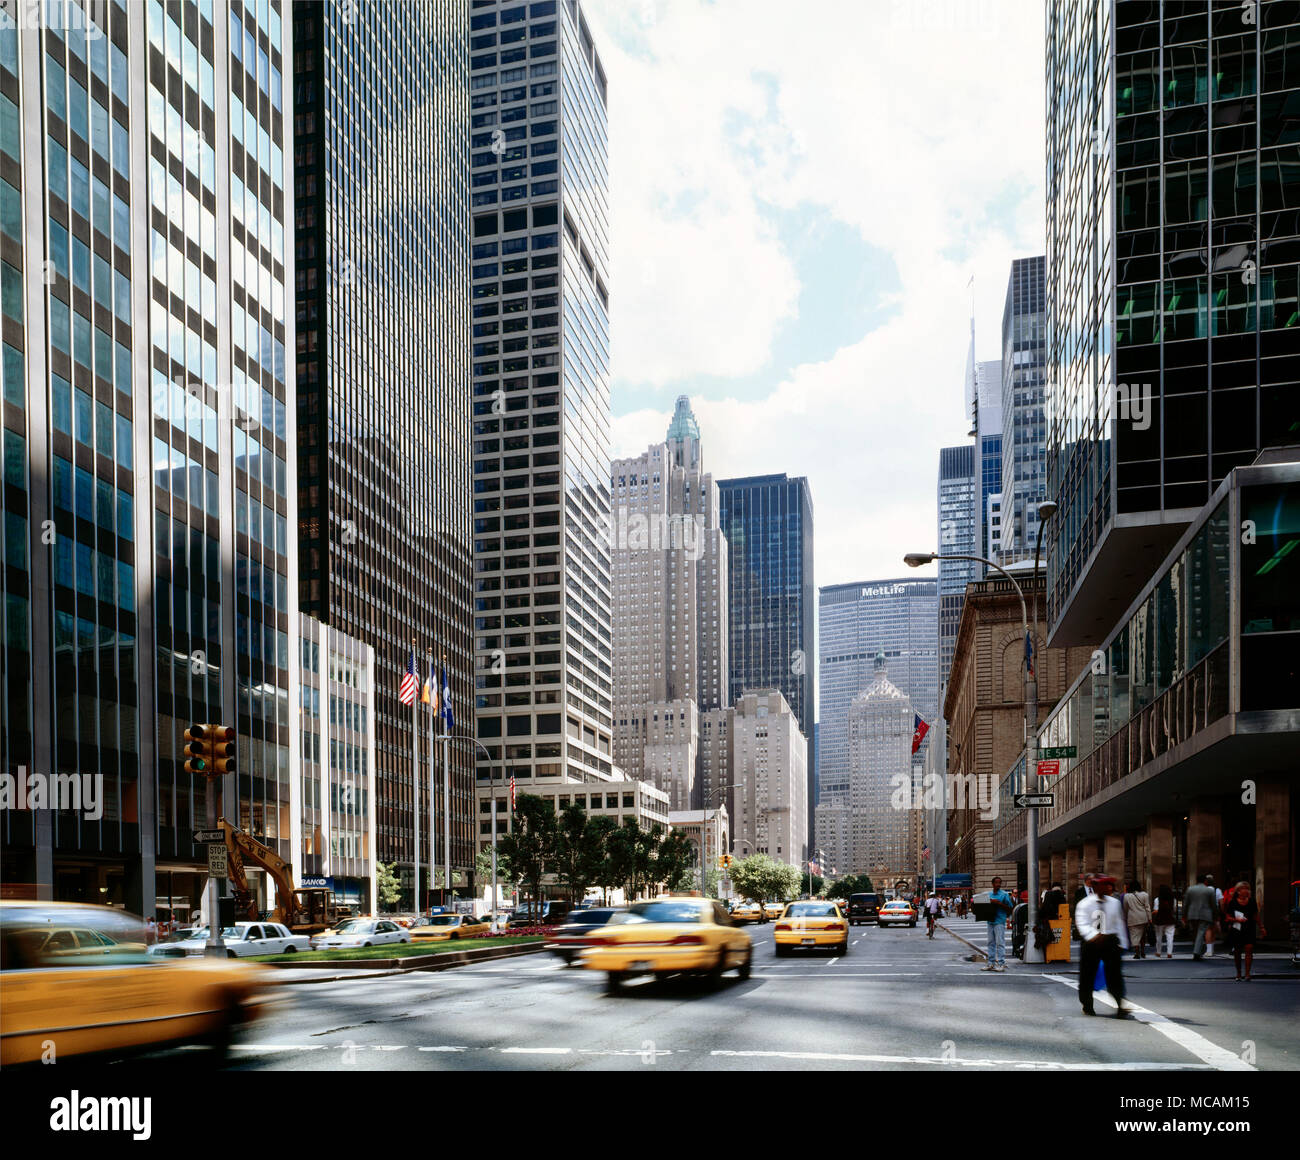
(1107, 951)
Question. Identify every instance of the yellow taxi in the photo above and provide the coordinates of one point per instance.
(774, 909)
(441, 927)
(75, 980)
(670, 936)
(812, 924)
(746, 912)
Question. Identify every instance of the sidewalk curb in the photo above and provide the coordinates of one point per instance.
(365, 969)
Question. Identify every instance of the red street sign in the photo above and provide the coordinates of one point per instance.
(1049, 768)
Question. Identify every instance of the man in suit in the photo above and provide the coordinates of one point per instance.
(1103, 938)
(1199, 912)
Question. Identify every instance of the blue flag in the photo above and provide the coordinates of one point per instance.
(448, 718)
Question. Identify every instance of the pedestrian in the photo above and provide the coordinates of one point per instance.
(1199, 912)
(150, 931)
(1165, 919)
(1103, 935)
(1002, 906)
(1053, 900)
(1137, 916)
(1241, 923)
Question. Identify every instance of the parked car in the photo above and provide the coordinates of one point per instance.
(79, 976)
(540, 914)
(442, 927)
(863, 908)
(569, 940)
(242, 940)
(362, 932)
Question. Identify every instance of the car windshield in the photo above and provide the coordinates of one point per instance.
(61, 936)
(812, 910)
(186, 935)
(591, 917)
(443, 920)
(352, 926)
(662, 912)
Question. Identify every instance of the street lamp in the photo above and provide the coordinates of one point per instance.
(492, 783)
(915, 560)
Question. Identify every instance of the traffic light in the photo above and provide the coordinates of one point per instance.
(725, 861)
(209, 750)
(198, 749)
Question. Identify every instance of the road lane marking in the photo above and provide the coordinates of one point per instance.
(536, 1050)
(841, 975)
(832, 961)
(1211, 1054)
(442, 1049)
(1014, 1064)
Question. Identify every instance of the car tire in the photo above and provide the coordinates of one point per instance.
(911, 923)
(744, 969)
(614, 982)
(289, 950)
(231, 954)
(713, 976)
(365, 944)
(781, 951)
(843, 948)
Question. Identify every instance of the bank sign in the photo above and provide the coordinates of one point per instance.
(326, 883)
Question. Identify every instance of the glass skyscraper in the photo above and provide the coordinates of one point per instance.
(857, 621)
(540, 316)
(958, 533)
(1173, 268)
(768, 522)
(383, 374)
(1024, 430)
(149, 445)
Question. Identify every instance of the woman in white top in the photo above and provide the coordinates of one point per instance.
(1137, 917)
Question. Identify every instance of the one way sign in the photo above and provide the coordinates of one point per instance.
(1033, 800)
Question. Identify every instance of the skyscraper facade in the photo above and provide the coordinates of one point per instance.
(1173, 320)
(769, 771)
(856, 622)
(988, 449)
(540, 306)
(1024, 425)
(149, 442)
(669, 562)
(768, 523)
(958, 534)
(880, 777)
(383, 234)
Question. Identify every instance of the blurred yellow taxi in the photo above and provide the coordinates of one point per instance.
(774, 909)
(668, 937)
(746, 912)
(441, 927)
(812, 924)
(75, 980)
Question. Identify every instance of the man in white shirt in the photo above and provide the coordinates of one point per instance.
(933, 908)
(1103, 938)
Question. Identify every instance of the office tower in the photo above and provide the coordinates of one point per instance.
(768, 523)
(1024, 426)
(669, 587)
(856, 621)
(1173, 325)
(769, 771)
(987, 431)
(959, 534)
(382, 235)
(881, 779)
(149, 444)
(541, 391)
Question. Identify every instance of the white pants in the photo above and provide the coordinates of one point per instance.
(1165, 934)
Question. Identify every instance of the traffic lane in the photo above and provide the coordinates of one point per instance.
(870, 1008)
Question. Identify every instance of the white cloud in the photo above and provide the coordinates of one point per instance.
(917, 123)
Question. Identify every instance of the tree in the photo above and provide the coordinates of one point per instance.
(599, 864)
(571, 864)
(759, 878)
(851, 884)
(483, 867)
(674, 861)
(818, 886)
(531, 848)
(632, 851)
(386, 884)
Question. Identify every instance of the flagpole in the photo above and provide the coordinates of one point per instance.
(415, 788)
(433, 701)
(446, 787)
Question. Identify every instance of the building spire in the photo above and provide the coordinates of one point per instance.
(684, 436)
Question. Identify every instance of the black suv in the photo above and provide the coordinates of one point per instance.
(540, 914)
(863, 908)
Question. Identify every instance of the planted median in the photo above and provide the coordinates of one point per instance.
(397, 950)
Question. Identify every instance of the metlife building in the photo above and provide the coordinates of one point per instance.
(898, 617)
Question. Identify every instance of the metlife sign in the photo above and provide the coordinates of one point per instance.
(884, 590)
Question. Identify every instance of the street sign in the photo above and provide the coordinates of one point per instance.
(202, 836)
(1060, 751)
(1030, 801)
(217, 862)
(1049, 768)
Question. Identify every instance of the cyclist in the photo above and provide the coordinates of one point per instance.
(932, 905)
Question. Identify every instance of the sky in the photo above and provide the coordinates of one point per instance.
(801, 194)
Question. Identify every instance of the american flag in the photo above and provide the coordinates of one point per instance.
(409, 682)
(512, 793)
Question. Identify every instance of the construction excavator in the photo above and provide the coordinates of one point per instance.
(304, 911)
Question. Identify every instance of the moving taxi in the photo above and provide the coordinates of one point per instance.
(811, 925)
(746, 912)
(669, 937)
(774, 909)
(75, 980)
(896, 913)
(441, 927)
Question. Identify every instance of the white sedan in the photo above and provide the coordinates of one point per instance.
(361, 932)
(242, 940)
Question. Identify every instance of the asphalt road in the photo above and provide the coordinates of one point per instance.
(896, 1001)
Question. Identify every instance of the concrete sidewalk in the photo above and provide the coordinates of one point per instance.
(1268, 964)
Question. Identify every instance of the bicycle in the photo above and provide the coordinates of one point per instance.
(929, 924)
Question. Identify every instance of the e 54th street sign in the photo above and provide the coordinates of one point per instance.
(1031, 801)
(1059, 751)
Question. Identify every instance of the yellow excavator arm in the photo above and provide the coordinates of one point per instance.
(240, 846)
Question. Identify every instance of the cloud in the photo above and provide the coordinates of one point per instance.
(918, 124)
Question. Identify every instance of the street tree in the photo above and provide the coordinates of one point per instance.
(531, 847)
(570, 863)
(600, 866)
(674, 861)
(390, 890)
(759, 878)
